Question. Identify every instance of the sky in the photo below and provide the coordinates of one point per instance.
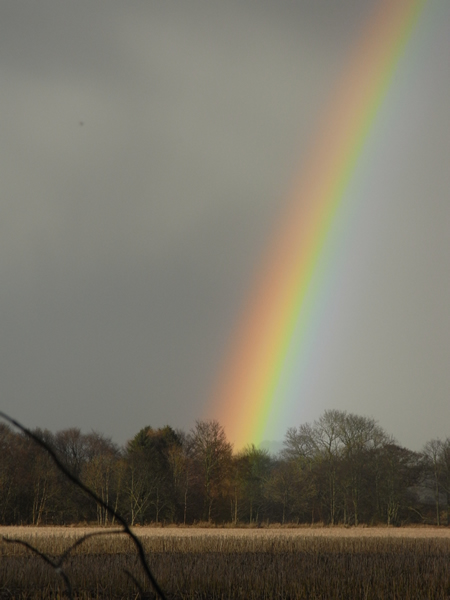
(146, 152)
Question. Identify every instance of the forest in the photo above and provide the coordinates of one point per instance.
(341, 469)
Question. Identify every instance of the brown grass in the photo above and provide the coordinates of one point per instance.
(192, 563)
(288, 531)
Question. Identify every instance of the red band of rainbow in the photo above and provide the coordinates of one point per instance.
(283, 295)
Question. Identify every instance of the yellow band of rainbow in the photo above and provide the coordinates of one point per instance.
(282, 297)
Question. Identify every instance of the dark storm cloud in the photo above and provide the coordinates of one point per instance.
(127, 242)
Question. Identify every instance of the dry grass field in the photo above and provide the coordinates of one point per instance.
(215, 563)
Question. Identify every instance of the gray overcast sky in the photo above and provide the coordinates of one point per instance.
(145, 150)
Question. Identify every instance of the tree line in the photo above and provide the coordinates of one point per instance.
(341, 469)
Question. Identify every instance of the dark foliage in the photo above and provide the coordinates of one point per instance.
(342, 468)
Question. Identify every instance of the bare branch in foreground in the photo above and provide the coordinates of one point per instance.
(91, 494)
(56, 566)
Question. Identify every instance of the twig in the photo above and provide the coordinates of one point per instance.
(56, 566)
(83, 539)
(94, 496)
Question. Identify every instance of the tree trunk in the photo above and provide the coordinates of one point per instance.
(438, 508)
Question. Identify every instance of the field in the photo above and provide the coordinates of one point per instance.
(195, 563)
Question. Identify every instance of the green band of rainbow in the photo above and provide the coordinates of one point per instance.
(283, 296)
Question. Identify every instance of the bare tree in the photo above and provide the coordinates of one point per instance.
(212, 454)
(358, 435)
(44, 478)
(182, 467)
(328, 446)
(8, 479)
(400, 470)
(433, 453)
(445, 475)
(101, 472)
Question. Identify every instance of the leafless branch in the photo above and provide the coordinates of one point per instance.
(95, 497)
(56, 565)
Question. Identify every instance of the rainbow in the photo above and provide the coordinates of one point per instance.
(273, 332)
